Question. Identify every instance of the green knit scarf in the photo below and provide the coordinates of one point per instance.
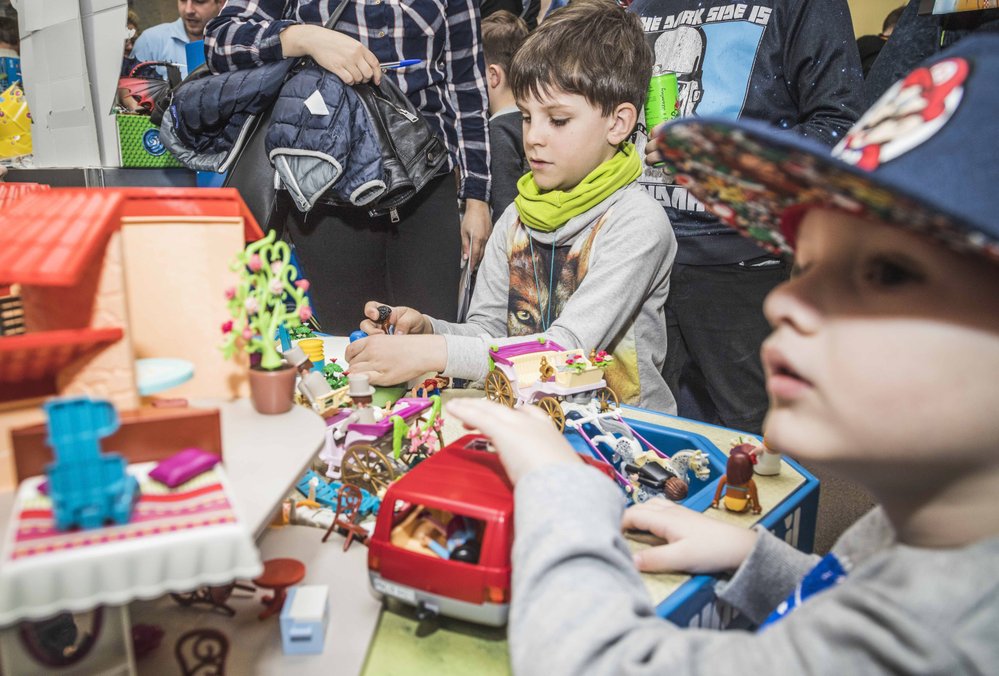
(550, 210)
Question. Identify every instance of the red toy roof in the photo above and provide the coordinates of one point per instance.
(48, 238)
(468, 479)
(11, 192)
(31, 360)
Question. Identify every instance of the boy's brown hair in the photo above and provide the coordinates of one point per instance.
(502, 34)
(593, 48)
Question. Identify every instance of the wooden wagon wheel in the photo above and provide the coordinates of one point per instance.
(551, 406)
(366, 466)
(498, 388)
(607, 399)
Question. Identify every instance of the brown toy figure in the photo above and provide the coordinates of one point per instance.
(737, 483)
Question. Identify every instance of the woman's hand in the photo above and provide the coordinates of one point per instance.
(652, 154)
(476, 226)
(340, 54)
(694, 543)
(525, 439)
(406, 320)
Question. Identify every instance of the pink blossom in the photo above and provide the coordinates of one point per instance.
(230, 293)
(255, 264)
(305, 313)
(247, 333)
(302, 284)
(227, 326)
(275, 286)
(252, 305)
(276, 267)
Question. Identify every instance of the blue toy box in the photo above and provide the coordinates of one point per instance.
(793, 519)
(304, 618)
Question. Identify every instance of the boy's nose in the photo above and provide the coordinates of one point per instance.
(792, 303)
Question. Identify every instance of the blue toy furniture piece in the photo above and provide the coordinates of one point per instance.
(87, 487)
(304, 619)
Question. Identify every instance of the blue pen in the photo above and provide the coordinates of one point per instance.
(400, 64)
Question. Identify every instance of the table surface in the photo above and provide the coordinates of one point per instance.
(263, 460)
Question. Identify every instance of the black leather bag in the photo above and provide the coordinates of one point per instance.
(412, 153)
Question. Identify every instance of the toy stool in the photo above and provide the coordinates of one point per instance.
(278, 575)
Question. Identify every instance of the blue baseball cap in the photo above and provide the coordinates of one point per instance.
(924, 157)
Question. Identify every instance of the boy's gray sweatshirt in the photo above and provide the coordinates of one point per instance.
(611, 277)
(580, 607)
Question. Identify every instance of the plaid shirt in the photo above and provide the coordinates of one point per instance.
(448, 87)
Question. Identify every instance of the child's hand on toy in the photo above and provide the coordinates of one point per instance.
(525, 439)
(390, 360)
(406, 320)
(694, 543)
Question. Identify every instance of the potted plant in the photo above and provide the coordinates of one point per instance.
(267, 296)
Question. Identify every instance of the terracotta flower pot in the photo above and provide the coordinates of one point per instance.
(272, 391)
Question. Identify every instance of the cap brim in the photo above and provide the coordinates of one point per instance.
(761, 180)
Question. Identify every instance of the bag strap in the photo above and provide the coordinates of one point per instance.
(335, 16)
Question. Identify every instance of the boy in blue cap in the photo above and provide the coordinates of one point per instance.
(882, 365)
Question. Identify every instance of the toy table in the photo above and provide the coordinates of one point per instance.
(361, 638)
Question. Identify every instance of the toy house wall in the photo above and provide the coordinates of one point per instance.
(177, 272)
(98, 301)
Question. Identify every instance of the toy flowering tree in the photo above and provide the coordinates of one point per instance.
(267, 296)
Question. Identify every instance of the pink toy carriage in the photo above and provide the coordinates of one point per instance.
(544, 373)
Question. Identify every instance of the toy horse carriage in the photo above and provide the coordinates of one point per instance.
(545, 374)
(641, 469)
(371, 448)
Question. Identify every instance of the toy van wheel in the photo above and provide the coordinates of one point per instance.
(607, 399)
(551, 406)
(367, 467)
(498, 388)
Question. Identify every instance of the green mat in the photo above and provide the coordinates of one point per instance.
(402, 645)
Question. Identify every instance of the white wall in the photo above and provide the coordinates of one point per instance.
(868, 15)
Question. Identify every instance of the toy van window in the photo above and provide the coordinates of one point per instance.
(479, 445)
(436, 533)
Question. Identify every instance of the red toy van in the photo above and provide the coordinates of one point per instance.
(444, 534)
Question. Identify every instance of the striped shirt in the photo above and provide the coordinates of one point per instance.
(448, 87)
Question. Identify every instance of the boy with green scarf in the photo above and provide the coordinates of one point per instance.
(583, 256)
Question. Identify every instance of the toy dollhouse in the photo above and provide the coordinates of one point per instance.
(109, 277)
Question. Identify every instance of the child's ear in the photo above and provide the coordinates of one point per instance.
(494, 75)
(622, 123)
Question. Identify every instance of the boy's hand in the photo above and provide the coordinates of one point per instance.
(390, 360)
(406, 320)
(694, 542)
(652, 154)
(524, 439)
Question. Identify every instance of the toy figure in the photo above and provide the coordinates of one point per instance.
(766, 462)
(431, 386)
(361, 394)
(738, 484)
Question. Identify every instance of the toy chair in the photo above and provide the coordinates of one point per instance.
(202, 652)
(348, 512)
(87, 487)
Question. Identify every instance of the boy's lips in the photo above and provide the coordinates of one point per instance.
(784, 382)
(537, 164)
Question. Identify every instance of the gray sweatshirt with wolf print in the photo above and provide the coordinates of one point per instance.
(598, 282)
(579, 607)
